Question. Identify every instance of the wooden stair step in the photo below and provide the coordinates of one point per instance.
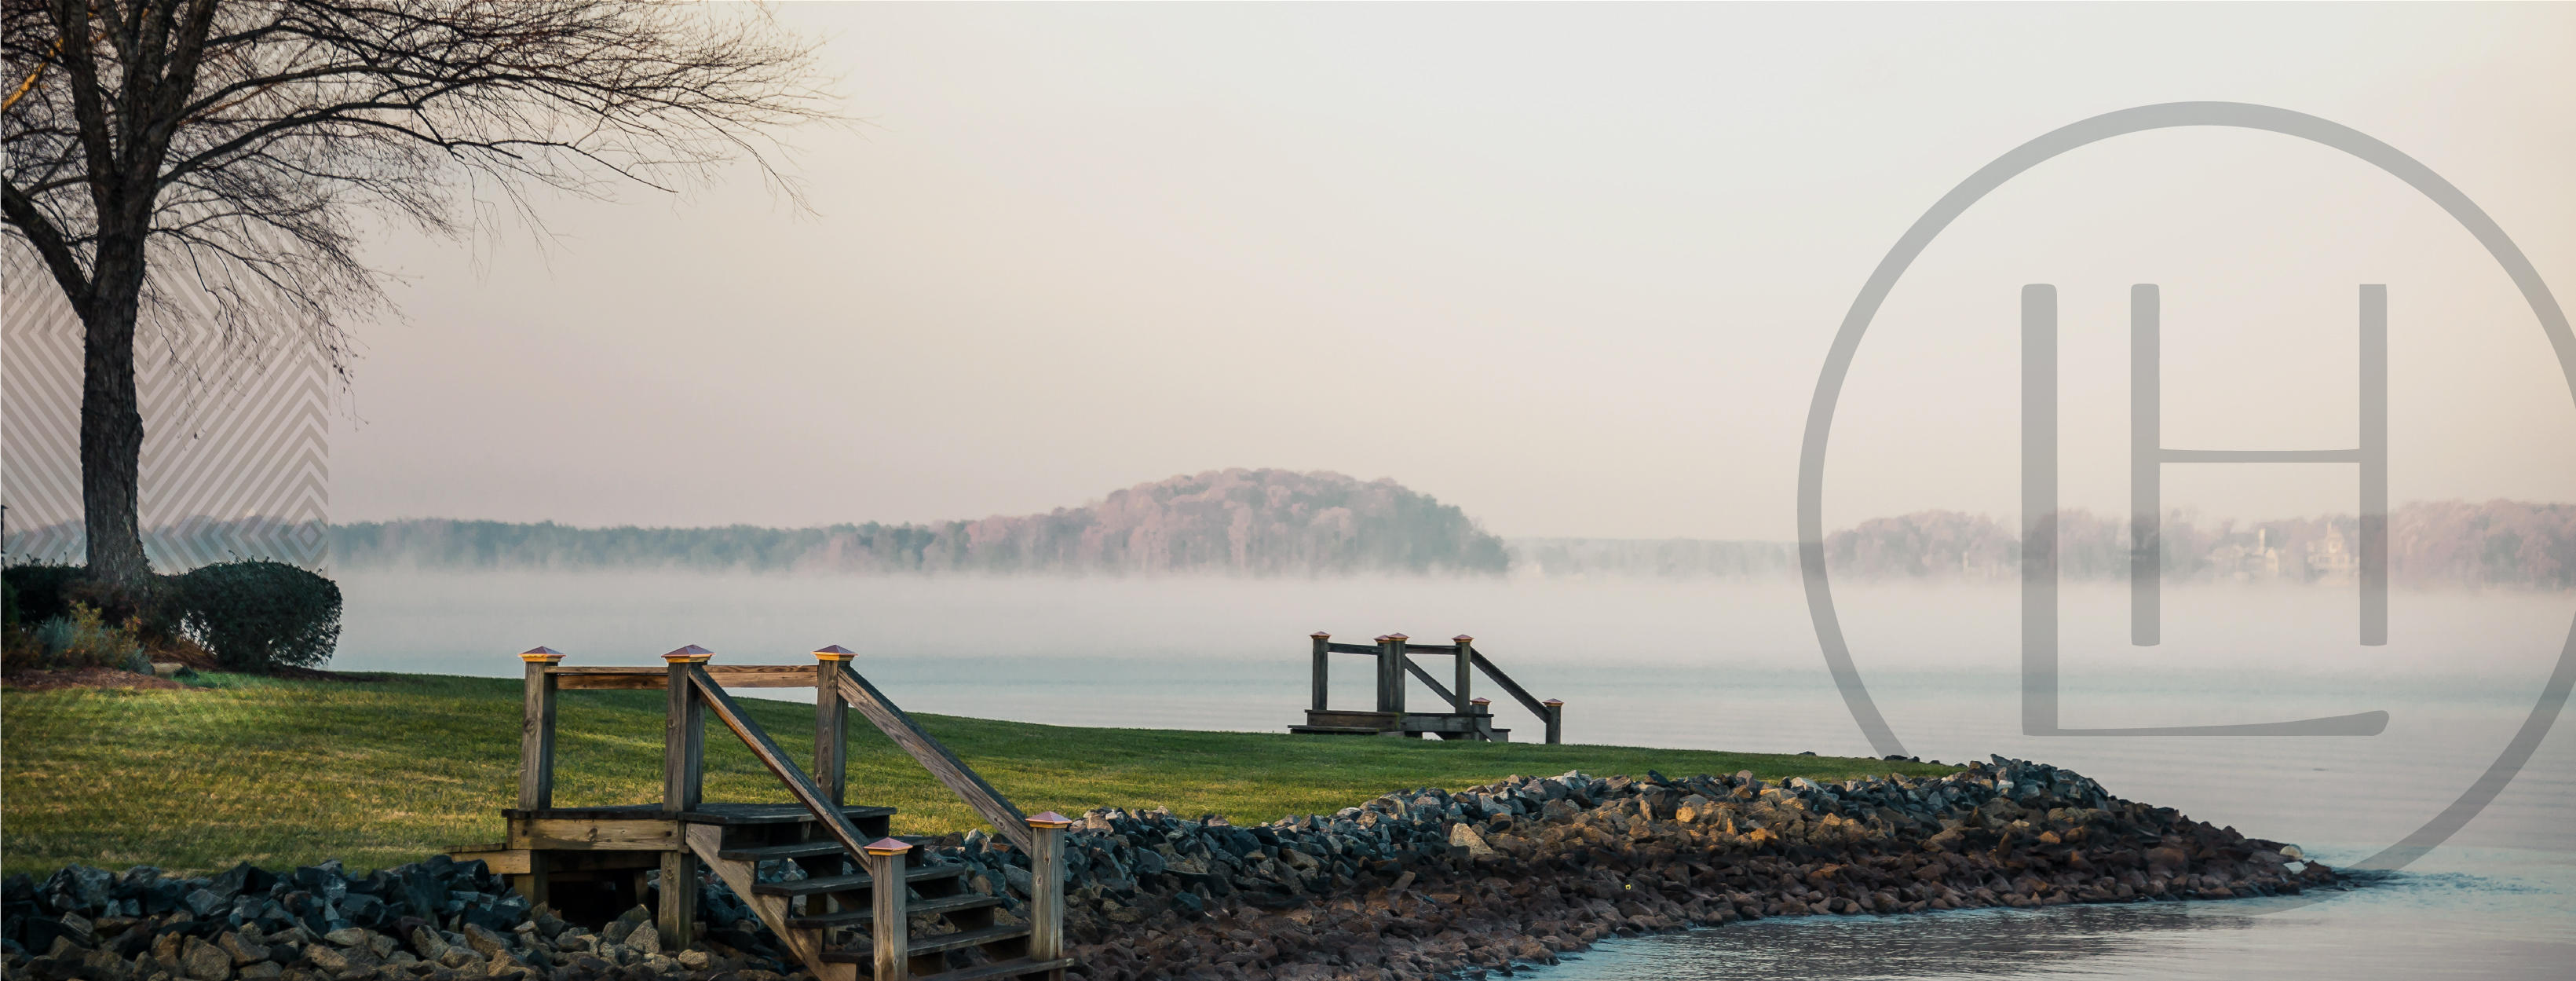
(941, 904)
(857, 880)
(1015, 967)
(865, 953)
(816, 848)
(801, 849)
(736, 814)
(1336, 730)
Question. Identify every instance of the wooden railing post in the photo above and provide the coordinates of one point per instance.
(1458, 699)
(684, 755)
(537, 733)
(1390, 672)
(684, 733)
(891, 928)
(537, 761)
(1555, 720)
(1323, 653)
(1046, 885)
(831, 724)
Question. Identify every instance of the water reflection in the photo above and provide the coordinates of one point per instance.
(1978, 943)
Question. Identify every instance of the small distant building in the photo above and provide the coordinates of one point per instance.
(2247, 558)
(2331, 559)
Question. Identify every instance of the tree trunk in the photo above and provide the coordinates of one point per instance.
(111, 444)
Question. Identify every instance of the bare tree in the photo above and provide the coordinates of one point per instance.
(243, 149)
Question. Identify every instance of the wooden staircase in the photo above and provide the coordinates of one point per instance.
(848, 899)
(823, 901)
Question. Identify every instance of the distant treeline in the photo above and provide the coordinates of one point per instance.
(1662, 558)
(1251, 522)
(2505, 543)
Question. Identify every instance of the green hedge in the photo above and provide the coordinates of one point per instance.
(260, 616)
(252, 616)
(38, 593)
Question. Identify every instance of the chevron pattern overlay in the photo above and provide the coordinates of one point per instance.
(235, 455)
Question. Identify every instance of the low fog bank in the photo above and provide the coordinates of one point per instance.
(1272, 525)
(2283, 634)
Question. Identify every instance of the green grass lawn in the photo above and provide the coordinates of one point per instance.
(382, 772)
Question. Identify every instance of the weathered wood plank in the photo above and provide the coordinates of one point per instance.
(960, 779)
(596, 834)
(1436, 687)
(891, 930)
(1323, 652)
(677, 916)
(1353, 718)
(502, 861)
(1465, 675)
(684, 742)
(831, 731)
(1391, 663)
(1046, 890)
(1526, 699)
(655, 679)
(537, 740)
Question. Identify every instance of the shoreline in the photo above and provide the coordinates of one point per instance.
(1419, 885)
(1559, 863)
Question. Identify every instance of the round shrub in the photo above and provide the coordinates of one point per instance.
(40, 591)
(260, 616)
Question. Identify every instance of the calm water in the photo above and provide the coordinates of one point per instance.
(1734, 665)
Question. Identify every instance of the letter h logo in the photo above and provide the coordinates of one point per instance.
(2147, 457)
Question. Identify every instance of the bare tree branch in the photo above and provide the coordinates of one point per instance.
(239, 150)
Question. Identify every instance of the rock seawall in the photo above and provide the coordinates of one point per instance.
(1428, 883)
(1416, 885)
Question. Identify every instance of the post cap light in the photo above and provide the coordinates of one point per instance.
(692, 654)
(1049, 819)
(1463, 639)
(1320, 635)
(835, 652)
(541, 655)
(886, 846)
(1554, 703)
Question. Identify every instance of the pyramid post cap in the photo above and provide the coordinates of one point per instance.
(1049, 819)
(1319, 635)
(1397, 636)
(886, 846)
(691, 654)
(1463, 639)
(541, 655)
(1554, 703)
(1480, 700)
(835, 652)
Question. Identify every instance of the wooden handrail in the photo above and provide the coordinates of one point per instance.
(1436, 687)
(1527, 700)
(776, 760)
(960, 779)
(615, 678)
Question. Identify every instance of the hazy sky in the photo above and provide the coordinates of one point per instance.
(1572, 268)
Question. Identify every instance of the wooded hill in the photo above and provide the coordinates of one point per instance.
(1252, 522)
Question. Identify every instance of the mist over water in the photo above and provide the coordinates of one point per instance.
(1733, 664)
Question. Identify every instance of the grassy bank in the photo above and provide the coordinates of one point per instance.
(383, 772)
